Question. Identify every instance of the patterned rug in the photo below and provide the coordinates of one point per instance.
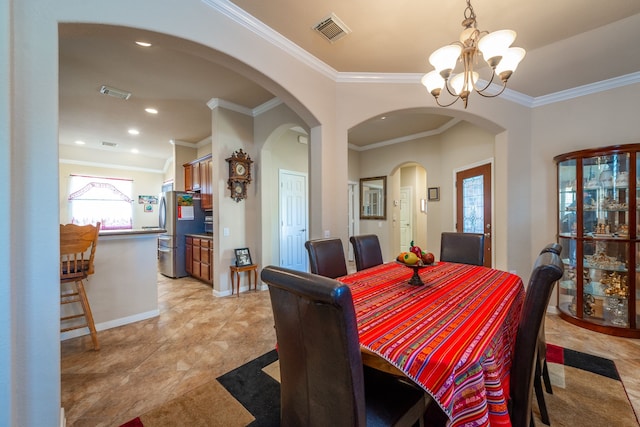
(587, 392)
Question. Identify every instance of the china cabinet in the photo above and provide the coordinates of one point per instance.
(598, 228)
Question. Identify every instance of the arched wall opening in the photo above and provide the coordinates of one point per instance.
(422, 161)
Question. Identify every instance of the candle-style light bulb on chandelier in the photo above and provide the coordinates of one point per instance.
(493, 47)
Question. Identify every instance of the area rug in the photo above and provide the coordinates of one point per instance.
(587, 392)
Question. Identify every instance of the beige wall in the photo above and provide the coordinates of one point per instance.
(231, 131)
(144, 183)
(279, 150)
(525, 140)
(461, 146)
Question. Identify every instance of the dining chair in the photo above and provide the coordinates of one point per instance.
(366, 249)
(547, 269)
(322, 379)
(77, 250)
(326, 257)
(542, 369)
(463, 248)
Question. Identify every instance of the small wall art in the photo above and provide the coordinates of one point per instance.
(433, 194)
(148, 200)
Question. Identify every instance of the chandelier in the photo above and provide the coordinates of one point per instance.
(474, 44)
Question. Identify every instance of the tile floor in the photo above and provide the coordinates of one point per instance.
(198, 337)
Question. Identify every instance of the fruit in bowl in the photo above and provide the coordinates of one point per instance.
(409, 258)
(428, 258)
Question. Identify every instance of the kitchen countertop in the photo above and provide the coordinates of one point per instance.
(201, 235)
(131, 232)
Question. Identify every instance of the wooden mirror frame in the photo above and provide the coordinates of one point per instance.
(381, 212)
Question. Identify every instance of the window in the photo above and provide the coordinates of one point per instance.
(104, 200)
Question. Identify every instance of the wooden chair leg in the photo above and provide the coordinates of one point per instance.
(89, 316)
(544, 415)
(546, 378)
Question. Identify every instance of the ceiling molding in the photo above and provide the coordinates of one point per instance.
(352, 77)
(183, 143)
(217, 102)
(589, 89)
(110, 166)
(454, 121)
(256, 26)
(261, 109)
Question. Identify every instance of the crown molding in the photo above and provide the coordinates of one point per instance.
(217, 102)
(263, 108)
(256, 26)
(241, 17)
(183, 143)
(260, 109)
(110, 166)
(454, 121)
(589, 89)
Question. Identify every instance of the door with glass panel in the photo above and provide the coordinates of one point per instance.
(473, 205)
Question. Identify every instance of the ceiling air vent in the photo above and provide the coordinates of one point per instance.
(332, 28)
(116, 93)
(109, 144)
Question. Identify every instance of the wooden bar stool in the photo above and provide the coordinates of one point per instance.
(235, 273)
(77, 250)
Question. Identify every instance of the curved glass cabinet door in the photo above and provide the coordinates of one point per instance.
(598, 219)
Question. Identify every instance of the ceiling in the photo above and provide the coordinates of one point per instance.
(569, 43)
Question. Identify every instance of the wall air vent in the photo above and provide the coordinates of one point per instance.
(116, 93)
(332, 28)
(109, 144)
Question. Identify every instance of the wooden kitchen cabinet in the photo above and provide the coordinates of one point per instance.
(198, 178)
(189, 255)
(188, 177)
(199, 258)
(206, 185)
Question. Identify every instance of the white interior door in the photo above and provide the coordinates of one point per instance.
(293, 220)
(406, 218)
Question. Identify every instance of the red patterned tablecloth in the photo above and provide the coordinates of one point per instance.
(454, 336)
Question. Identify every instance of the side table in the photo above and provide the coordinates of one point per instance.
(235, 274)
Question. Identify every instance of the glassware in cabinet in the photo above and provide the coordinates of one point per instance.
(597, 190)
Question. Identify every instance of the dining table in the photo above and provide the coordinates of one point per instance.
(453, 333)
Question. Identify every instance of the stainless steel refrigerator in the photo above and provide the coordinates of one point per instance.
(179, 214)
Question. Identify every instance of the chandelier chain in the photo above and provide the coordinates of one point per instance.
(469, 16)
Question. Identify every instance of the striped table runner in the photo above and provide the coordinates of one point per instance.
(454, 336)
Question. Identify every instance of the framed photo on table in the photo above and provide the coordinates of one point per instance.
(243, 257)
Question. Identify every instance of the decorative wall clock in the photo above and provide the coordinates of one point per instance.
(239, 174)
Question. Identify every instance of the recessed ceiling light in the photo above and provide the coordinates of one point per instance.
(134, 131)
(143, 44)
(80, 142)
(151, 110)
(134, 151)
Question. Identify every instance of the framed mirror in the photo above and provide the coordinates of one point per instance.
(373, 196)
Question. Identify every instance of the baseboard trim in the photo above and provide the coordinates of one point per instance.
(110, 324)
